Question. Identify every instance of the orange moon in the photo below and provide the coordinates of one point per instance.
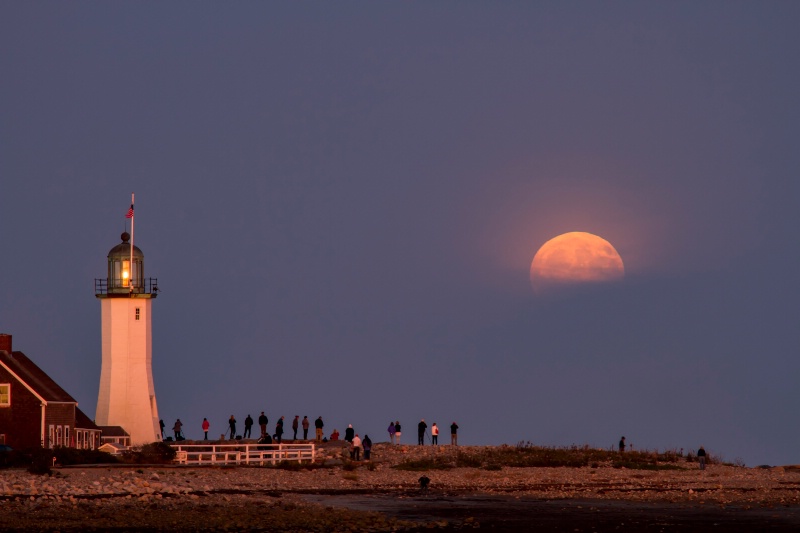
(573, 258)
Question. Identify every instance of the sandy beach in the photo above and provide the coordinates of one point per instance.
(342, 496)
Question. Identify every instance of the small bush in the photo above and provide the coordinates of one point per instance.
(294, 466)
(349, 466)
(41, 461)
(73, 456)
(153, 453)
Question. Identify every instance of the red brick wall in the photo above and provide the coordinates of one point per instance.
(21, 423)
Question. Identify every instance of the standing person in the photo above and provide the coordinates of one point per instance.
(263, 421)
(390, 429)
(397, 432)
(367, 443)
(356, 443)
(305, 427)
(232, 427)
(279, 430)
(622, 445)
(318, 425)
(701, 456)
(434, 434)
(206, 425)
(454, 434)
(248, 426)
(177, 428)
(295, 425)
(421, 427)
(349, 433)
(161, 423)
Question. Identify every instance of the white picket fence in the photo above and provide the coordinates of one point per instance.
(242, 454)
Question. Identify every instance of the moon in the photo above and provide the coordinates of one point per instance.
(575, 258)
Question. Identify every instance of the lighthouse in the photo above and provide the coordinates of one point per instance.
(127, 396)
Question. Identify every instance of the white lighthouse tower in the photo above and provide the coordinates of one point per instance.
(127, 396)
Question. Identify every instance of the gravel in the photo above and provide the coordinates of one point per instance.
(270, 499)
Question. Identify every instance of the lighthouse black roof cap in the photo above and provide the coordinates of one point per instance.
(123, 249)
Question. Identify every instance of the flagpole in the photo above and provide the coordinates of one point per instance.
(133, 215)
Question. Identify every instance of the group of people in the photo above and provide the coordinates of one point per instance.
(263, 421)
(395, 431)
(356, 443)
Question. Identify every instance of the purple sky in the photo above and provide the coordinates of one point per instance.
(341, 203)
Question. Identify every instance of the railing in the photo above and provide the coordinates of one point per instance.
(148, 286)
(241, 454)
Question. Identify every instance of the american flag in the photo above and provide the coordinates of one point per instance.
(129, 214)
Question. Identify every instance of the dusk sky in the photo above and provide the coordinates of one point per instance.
(341, 202)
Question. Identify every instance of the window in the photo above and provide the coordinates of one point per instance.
(59, 436)
(51, 437)
(137, 313)
(66, 436)
(5, 394)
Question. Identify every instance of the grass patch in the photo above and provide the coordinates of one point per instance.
(465, 460)
(526, 455)
(633, 465)
(294, 466)
(423, 465)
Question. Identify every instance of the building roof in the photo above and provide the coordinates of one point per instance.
(123, 249)
(113, 448)
(114, 431)
(82, 421)
(34, 377)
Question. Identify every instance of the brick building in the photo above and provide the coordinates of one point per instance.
(35, 410)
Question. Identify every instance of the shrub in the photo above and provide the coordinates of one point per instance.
(294, 466)
(153, 453)
(73, 456)
(41, 461)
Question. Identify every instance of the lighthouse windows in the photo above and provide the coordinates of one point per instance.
(137, 313)
(126, 273)
(5, 394)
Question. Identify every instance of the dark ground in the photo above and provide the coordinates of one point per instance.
(506, 513)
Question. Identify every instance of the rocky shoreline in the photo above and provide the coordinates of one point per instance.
(344, 496)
